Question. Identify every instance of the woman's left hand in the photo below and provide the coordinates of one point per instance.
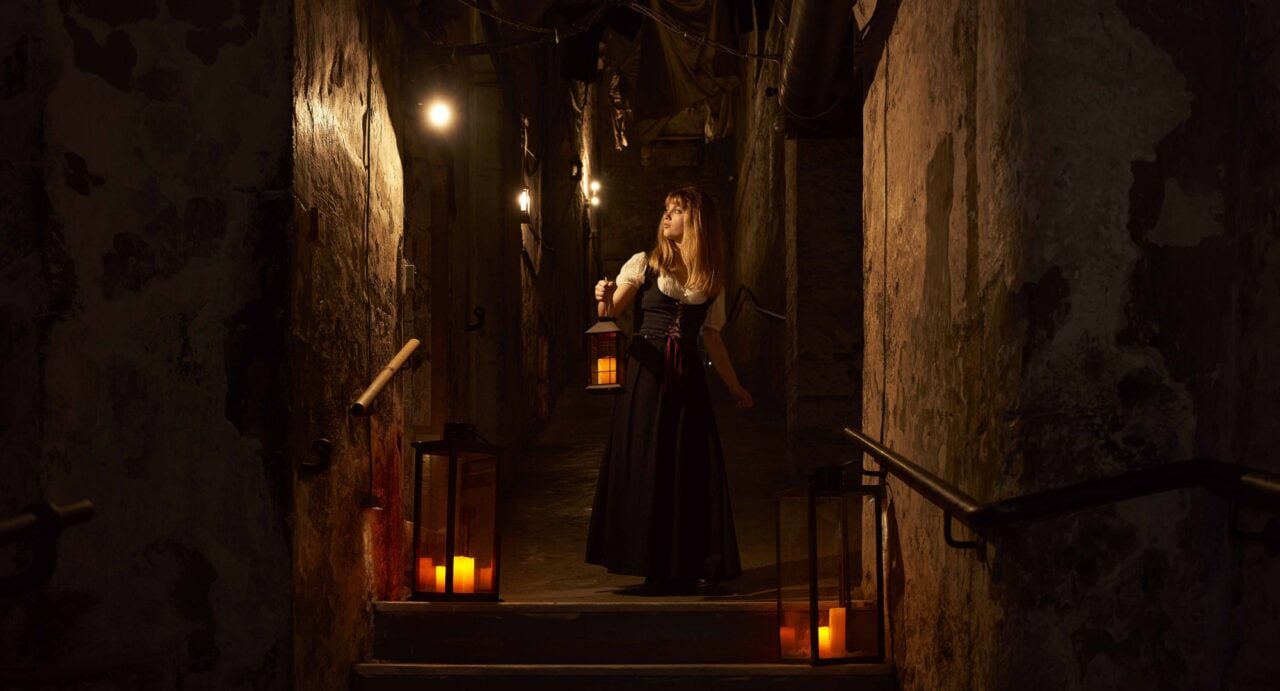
(742, 398)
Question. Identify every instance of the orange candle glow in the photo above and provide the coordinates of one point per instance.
(824, 641)
(464, 574)
(607, 370)
(484, 579)
(425, 573)
(787, 638)
(439, 579)
(836, 618)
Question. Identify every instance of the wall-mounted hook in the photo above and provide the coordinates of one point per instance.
(322, 450)
(479, 312)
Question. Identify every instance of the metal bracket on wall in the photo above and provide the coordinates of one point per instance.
(479, 324)
(1269, 536)
(878, 474)
(322, 449)
(39, 525)
(978, 545)
(737, 306)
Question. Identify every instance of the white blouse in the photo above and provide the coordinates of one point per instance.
(632, 274)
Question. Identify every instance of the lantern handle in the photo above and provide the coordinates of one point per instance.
(607, 302)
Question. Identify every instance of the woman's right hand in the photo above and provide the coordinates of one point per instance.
(604, 290)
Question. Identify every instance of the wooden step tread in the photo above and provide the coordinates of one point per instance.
(373, 676)
(708, 607)
(376, 668)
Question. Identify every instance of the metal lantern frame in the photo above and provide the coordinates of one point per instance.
(459, 440)
(606, 329)
(828, 482)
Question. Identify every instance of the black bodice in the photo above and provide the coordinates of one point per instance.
(660, 316)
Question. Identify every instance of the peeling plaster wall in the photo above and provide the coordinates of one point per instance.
(938, 312)
(144, 177)
(343, 328)
(1063, 283)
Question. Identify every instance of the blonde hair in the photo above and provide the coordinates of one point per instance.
(700, 247)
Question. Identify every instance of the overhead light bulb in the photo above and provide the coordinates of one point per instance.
(595, 185)
(439, 114)
(595, 201)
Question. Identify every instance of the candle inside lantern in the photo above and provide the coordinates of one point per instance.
(607, 370)
(464, 574)
(836, 618)
(439, 579)
(484, 579)
(424, 575)
(824, 641)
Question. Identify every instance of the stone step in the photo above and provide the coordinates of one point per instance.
(588, 633)
(387, 676)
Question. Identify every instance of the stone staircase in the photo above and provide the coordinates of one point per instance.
(595, 646)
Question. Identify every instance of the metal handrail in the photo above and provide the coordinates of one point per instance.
(1240, 483)
(40, 524)
(744, 291)
(361, 405)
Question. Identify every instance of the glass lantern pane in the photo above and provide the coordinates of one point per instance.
(605, 355)
(431, 531)
(864, 618)
(839, 569)
(793, 575)
(475, 541)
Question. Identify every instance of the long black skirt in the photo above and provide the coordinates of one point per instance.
(661, 507)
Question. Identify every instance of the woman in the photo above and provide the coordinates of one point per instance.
(662, 503)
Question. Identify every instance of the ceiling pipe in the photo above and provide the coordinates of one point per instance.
(812, 57)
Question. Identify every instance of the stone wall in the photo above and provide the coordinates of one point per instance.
(1061, 280)
(1256, 281)
(557, 272)
(636, 181)
(824, 299)
(756, 248)
(343, 327)
(144, 176)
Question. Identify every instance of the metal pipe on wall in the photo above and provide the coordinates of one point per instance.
(811, 56)
(361, 406)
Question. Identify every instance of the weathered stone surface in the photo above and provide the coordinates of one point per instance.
(824, 299)
(1248, 420)
(1056, 293)
(112, 60)
(116, 12)
(118, 283)
(756, 249)
(343, 327)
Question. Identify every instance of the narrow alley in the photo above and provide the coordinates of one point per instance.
(547, 527)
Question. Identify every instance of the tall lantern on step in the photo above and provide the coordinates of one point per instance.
(455, 517)
(606, 356)
(830, 600)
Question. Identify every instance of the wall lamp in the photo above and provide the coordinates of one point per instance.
(439, 114)
(523, 201)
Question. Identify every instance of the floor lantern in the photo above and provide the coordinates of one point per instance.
(830, 609)
(455, 517)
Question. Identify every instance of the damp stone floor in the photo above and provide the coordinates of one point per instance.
(544, 534)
